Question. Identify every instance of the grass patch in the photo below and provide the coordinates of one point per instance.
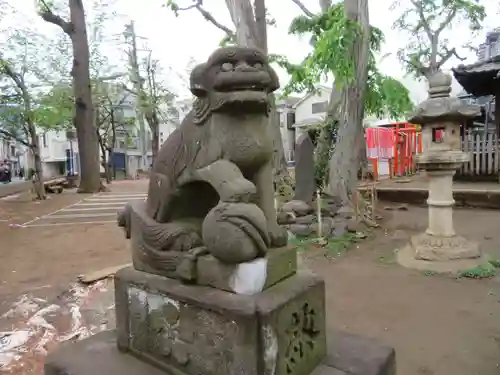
(340, 245)
(334, 246)
(483, 271)
(495, 263)
(429, 273)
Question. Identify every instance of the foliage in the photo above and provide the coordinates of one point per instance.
(326, 138)
(424, 22)
(482, 271)
(157, 97)
(25, 100)
(332, 35)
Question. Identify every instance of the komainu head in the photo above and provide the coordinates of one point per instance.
(235, 79)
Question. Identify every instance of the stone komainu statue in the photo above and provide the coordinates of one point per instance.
(211, 185)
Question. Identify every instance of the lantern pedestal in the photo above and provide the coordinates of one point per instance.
(439, 249)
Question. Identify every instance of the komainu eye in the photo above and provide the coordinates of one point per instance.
(227, 67)
(257, 65)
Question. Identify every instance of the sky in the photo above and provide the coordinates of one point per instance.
(178, 41)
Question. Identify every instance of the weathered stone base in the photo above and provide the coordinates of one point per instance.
(98, 355)
(447, 262)
(187, 329)
(434, 248)
(249, 277)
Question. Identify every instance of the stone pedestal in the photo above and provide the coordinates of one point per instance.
(440, 203)
(201, 330)
(167, 327)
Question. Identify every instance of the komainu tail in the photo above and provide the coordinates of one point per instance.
(157, 247)
(123, 220)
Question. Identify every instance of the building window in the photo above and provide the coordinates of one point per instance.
(44, 140)
(121, 144)
(319, 107)
(12, 150)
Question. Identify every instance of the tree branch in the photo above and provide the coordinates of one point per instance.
(208, 16)
(423, 21)
(446, 21)
(48, 16)
(448, 55)
(10, 135)
(303, 8)
(230, 33)
(17, 78)
(419, 67)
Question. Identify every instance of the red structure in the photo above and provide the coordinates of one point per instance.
(402, 139)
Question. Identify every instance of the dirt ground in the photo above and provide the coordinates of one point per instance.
(45, 259)
(439, 325)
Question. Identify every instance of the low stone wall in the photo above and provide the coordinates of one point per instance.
(463, 198)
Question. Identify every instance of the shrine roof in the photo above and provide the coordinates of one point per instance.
(480, 78)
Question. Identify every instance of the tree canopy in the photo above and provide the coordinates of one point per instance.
(425, 22)
(332, 35)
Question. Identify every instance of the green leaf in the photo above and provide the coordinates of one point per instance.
(332, 37)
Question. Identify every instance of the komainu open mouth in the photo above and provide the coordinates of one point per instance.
(231, 88)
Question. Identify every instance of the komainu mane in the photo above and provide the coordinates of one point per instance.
(211, 185)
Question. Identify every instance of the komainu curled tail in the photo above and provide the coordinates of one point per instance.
(160, 244)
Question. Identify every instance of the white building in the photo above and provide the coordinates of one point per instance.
(286, 113)
(491, 45)
(8, 150)
(311, 109)
(297, 113)
(56, 148)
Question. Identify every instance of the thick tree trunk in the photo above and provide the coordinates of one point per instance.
(251, 31)
(88, 148)
(345, 161)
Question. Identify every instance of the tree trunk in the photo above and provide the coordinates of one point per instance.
(139, 91)
(88, 148)
(251, 31)
(38, 180)
(104, 160)
(111, 146)
(345, 161)
(154, 126)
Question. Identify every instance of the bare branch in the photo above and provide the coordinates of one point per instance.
(208, 16)
(446, 21)
(448, 55)
(422, 20)
(230, 33)
(48, 16)
(130, 90)
(303, 8)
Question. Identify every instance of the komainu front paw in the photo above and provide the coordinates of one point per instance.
(278, 235)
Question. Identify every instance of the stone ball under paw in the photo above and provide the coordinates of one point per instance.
(235, 232)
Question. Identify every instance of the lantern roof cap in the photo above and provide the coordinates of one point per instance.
(440, 106)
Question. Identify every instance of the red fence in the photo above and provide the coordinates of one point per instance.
(392, 149)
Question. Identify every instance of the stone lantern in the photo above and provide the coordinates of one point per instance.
(440, 248)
